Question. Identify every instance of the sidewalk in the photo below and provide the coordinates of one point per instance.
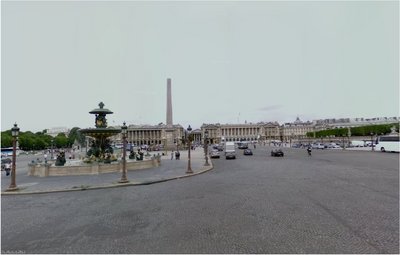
(169, 170)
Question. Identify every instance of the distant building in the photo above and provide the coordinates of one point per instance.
(57, 130)
(218, 133)
(296, 130)
(355, 122)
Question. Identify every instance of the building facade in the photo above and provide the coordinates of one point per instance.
(218, 133)
(296, 130)
(168, 136)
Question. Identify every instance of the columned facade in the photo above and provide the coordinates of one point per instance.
(272, 131)
(233, 132)
(153, 135)
(197, 137)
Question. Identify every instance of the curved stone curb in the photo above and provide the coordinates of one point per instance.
(7, 193)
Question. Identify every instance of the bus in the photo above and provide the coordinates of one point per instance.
(7, 152)
(387, 143)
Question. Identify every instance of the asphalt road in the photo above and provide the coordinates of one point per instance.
(333, 202)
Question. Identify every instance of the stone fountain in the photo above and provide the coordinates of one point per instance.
(100, 147)
(99, 156)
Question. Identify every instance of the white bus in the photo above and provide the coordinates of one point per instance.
(7, 152)
(387, 143)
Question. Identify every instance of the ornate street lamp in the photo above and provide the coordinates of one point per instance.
(14, 133)
(206, 147)
(124, 131)
(52, 142)
(372, 141)
(189, 169)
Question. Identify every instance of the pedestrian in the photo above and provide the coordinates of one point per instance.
(172, 155)
(45, 158)
(7, 167)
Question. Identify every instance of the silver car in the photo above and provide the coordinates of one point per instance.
(214, 154)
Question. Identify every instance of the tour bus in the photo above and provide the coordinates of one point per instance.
(7, 152)
(387, 143)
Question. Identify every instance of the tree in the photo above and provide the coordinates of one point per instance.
(61, 141)
(6, 139)
(75, 135)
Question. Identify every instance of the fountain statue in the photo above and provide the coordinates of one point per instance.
(100, 147)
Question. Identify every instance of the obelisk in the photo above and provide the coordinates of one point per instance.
(169, 104)
(169, 131)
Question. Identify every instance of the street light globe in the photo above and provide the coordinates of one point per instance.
(15, 130)
(124, 128)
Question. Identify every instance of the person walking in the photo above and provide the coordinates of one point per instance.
(7, 168)
(172, 155)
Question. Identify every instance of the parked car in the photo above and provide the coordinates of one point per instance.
(318, 146)
(333, 146)
(277, 153)
(247, 152)
(214, 154)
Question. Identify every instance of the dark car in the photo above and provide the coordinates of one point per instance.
(243, 146)
(247, 152)
(277, 153)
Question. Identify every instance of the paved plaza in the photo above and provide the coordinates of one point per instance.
(332, 202)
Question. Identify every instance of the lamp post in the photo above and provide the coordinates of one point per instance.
(52, 142)
(372, 141)
(124, 131)
(343, 141)
(206, 147)
(14, 133)
(189, 168)
(165, 145)
(290, 142)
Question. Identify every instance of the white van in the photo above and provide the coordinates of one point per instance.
(358, 143)
(230, 152)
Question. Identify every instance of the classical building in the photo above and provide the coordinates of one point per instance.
(197, 136)
(218, 133)
(57, 130)
(155, 134)
(272, 131)
(296, 130)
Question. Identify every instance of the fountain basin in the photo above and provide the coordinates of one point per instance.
(100, 132)
(44, 170)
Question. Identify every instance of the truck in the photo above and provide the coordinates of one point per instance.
(230, 152)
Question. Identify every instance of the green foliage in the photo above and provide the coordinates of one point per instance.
(6, 139)
(375, 129)
(75, 135)
(356, 131)
(41, 140)
(61, 141)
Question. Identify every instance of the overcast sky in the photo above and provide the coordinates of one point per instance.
(229, 62)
